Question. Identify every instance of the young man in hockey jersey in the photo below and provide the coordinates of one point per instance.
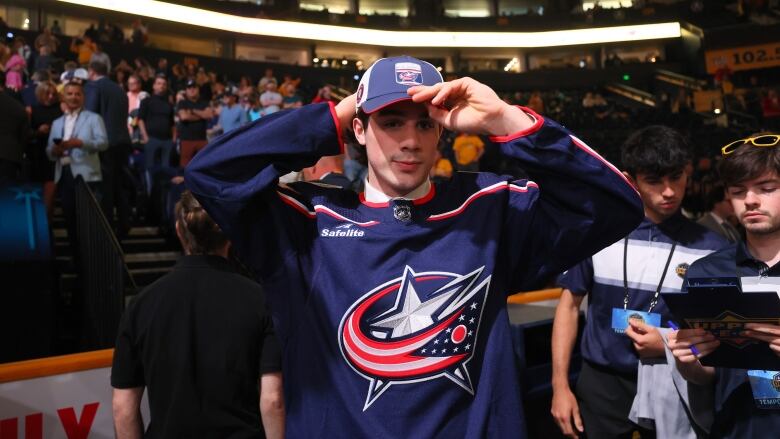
(398, 326)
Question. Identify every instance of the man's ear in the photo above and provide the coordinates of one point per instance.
(630, 178)
(360, 131)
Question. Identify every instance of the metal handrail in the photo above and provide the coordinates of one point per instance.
(106, 277)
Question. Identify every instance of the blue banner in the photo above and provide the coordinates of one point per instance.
(24, 227)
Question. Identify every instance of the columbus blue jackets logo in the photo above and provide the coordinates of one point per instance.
(415, 328)
(408, 73)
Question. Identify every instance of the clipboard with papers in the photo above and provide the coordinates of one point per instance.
(722, 306)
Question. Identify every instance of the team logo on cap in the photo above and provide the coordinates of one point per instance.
(408, 73)
(417, 327)
(360, 91)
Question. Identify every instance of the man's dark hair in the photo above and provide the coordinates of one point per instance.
(99, 68)
(655, 150)
(748, 162)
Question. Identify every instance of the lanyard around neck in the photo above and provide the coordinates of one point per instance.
(654, 300)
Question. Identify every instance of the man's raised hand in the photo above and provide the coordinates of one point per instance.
(465, 105)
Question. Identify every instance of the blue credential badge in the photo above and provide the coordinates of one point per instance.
(621, 316)
(766, 388)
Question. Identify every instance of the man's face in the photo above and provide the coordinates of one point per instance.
(400, 143)
(193, 93)
(160, 86)
(73, 97)
(661, 195)
(756, 203)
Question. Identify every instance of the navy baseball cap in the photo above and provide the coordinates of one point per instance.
(387, 80)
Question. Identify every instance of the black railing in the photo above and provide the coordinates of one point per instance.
(105, 276)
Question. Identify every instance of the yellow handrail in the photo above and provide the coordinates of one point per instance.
(25, 370)
(535, 296)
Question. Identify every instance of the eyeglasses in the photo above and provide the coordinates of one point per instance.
(767, 140)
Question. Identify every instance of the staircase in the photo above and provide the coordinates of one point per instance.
(148, 253)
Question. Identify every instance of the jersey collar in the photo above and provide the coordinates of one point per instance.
(374, 197)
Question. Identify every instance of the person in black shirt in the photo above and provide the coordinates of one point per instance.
(199, 339)
(155, 120)
(14, 128)
(194, 114)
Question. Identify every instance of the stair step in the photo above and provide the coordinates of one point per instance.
(151, 259)
(145, 276)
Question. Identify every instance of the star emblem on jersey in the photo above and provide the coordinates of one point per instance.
(415, 328)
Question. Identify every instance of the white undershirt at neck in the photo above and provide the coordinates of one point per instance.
(374, 195)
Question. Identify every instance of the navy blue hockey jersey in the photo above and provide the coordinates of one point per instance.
(392, 316)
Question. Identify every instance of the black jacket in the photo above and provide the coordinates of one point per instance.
(14, 128)
(106, 98)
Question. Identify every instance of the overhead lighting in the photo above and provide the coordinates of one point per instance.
(354, 35)
(344, 62)
(716, 111)
(315, 60)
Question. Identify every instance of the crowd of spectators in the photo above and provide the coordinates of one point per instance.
(172, 110)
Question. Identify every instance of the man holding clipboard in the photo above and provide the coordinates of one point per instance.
(747, 402)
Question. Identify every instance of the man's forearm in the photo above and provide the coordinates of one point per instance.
(126, 404)
(272, 405)
(564, 335)
(129, 427)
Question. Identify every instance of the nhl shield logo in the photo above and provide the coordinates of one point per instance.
(417, 327)
(408, 73)
(682, 269)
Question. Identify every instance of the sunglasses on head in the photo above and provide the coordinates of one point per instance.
(763, 141)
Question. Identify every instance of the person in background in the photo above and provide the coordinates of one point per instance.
(106, 98)
(42, 115)
(55, 28)
(323, 95)
(44, 59)
(14, 130)
(193, 113)
(291, 98)
(231, 115)
(268, 76)
(14, 69)
(202, 343)
(720, 216)
(75, 139)
(255, 110)
(468, 149)
(83, 48)
(135, 95)
(156, 123)
(328, 170)
(271, 100)
(99, 56)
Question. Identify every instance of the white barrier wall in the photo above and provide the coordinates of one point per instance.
(69, 406)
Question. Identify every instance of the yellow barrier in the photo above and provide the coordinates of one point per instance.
(535, 296)
(25, 370)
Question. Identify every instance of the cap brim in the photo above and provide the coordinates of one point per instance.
(380, 102)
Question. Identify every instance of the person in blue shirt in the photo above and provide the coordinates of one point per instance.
(231, 115)
(750, 171)
(624, 279)
(390, 305)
